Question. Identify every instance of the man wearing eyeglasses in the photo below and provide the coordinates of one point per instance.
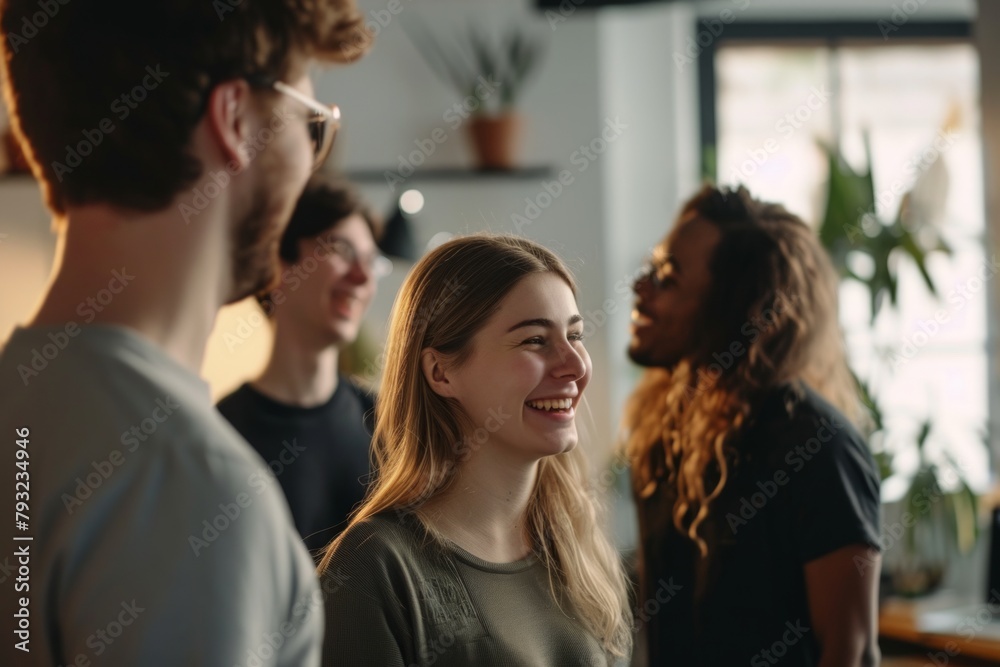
(142, 538)
(312, 425)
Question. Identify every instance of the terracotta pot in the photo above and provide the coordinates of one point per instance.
(495, 140)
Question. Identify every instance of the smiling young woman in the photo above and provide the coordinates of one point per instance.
(479, 543)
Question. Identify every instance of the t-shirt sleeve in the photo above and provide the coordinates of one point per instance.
(230, 585)
(364, 620)
(358, 632)
(835, 490)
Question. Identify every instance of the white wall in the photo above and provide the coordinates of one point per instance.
(392, 99)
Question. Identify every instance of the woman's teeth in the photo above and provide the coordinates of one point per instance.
(552, 404)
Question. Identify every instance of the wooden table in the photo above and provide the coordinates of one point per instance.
(901, 621)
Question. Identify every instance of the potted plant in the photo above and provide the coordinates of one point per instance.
(489, 74)
(939, 515)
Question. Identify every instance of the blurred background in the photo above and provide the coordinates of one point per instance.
(877, 121)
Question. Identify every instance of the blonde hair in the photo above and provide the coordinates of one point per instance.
(769, 273)
(446, 299)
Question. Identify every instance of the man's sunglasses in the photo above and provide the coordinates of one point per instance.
(324, 121)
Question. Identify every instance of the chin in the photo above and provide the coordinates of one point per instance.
(639, 355)
(649, 359)
(255, 252)
(255, 278)
(340, 334)
(559, 446)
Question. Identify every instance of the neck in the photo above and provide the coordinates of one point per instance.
(148, 272)
(301, 371)
(484, 511)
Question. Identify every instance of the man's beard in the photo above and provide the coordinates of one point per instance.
(257, 235)
(255, 250)
(649, 357)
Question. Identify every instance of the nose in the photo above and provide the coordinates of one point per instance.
(360, 273)
(641, 284)
(571, 363)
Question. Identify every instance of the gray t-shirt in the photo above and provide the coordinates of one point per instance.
(395, 597)
(159, 537)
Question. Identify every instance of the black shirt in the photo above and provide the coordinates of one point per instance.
(320, 455)
(805, 484)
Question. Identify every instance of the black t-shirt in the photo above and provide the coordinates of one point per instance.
(805, 485)
(320, 455)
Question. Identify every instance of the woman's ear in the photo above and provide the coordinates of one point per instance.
(433, 366)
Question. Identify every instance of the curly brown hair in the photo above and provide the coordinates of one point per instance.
(77, 72)
(773, 289)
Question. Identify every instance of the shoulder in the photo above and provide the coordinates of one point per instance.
(388, 534)
(827, 435)
(833, 481)
(795, 422)
(365, 398)
(376, 553)
(365, 395)
(235, 400)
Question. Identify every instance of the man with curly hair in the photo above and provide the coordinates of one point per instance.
(171, 141)
(758, 500)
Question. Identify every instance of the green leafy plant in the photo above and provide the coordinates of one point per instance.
(939, 518)
(850, 225)
(942, 517)
(476, 62)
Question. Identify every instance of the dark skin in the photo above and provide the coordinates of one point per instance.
(843, 602)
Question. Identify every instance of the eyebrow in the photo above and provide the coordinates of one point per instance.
(545, 323)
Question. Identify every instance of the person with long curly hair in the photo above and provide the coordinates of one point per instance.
(758, 499)
(479, 543)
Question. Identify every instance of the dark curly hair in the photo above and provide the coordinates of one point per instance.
(773, 289)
